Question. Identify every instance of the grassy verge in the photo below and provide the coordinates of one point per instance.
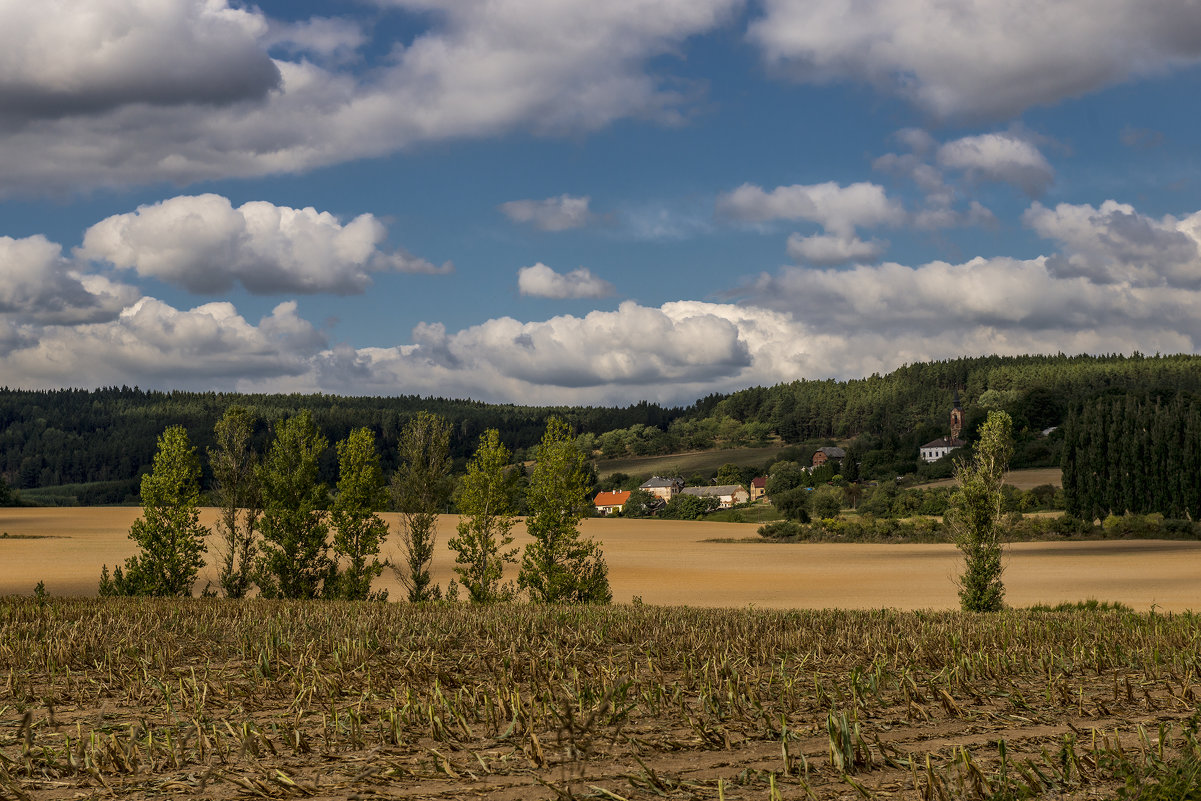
(685, 464)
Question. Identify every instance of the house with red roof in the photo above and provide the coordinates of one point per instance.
(758, 487)
(608, 503)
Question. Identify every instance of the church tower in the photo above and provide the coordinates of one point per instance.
(956, 417)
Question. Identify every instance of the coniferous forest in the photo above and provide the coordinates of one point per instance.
(1134, 453)
(99, 442)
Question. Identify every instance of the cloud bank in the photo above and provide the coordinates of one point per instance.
(1115, 280)
(186, 90)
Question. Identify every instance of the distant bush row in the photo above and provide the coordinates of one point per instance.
(1018, 528)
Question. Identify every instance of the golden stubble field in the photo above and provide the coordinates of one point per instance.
(670, 562)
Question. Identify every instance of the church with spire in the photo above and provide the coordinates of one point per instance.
(936, 449)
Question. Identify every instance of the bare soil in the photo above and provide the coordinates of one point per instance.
(150, 699)
(669, 562)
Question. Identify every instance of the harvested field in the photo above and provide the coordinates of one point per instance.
(111, 698)
(1022, 479)
(667, 562)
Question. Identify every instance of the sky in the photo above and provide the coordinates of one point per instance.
(573, 202)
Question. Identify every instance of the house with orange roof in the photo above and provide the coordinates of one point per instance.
(608, 503)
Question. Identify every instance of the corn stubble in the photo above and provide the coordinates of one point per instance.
(222, 699)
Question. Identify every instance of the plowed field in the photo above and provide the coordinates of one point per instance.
(110, 698)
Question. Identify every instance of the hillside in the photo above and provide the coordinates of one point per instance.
(685, 464)
(97, 443)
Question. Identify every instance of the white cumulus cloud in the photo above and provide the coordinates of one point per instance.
(204, 244)
(979, 57)
(156, 345)
(1116, 244)
(541, 281)
(829, 249)
(40, 285)
(1112, 280)
(999, 157)
(839, 209)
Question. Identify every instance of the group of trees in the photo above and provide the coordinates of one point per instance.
(276, 516)
(1134, 453)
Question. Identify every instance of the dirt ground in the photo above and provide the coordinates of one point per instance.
(669, 562)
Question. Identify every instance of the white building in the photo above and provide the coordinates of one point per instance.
(935, 450)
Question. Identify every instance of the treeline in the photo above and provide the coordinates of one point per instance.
(100, 442)
(1134, 453)
(105, 439)
(1036, 391)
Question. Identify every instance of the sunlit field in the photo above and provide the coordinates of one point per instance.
(669, 562)
(817, 684)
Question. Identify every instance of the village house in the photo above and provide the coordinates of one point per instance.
(608, 503)
(663, 488)
(758, 487)
(936, 449)
(823, 455)
(727, 494)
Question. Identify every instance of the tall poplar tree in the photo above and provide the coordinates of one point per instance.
(295, 560)
(236, 491)
(559, 565)
(975, 515)
(420, 490)
(359, 532)
(485, 502)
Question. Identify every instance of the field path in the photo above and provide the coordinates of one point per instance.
(668, 562)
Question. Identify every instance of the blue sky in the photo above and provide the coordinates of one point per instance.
(560, 201)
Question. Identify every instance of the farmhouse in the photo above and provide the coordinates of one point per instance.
(663, 488)
(727, 494)
(608, 503)
(758, 487)
(823, 455)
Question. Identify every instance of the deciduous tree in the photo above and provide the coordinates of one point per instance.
(560, 566)
(295, 561)
(485, 501)
(358, 531)
(169, 535)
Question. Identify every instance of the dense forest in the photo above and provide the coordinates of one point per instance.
(1136, 454)
(96, 444)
